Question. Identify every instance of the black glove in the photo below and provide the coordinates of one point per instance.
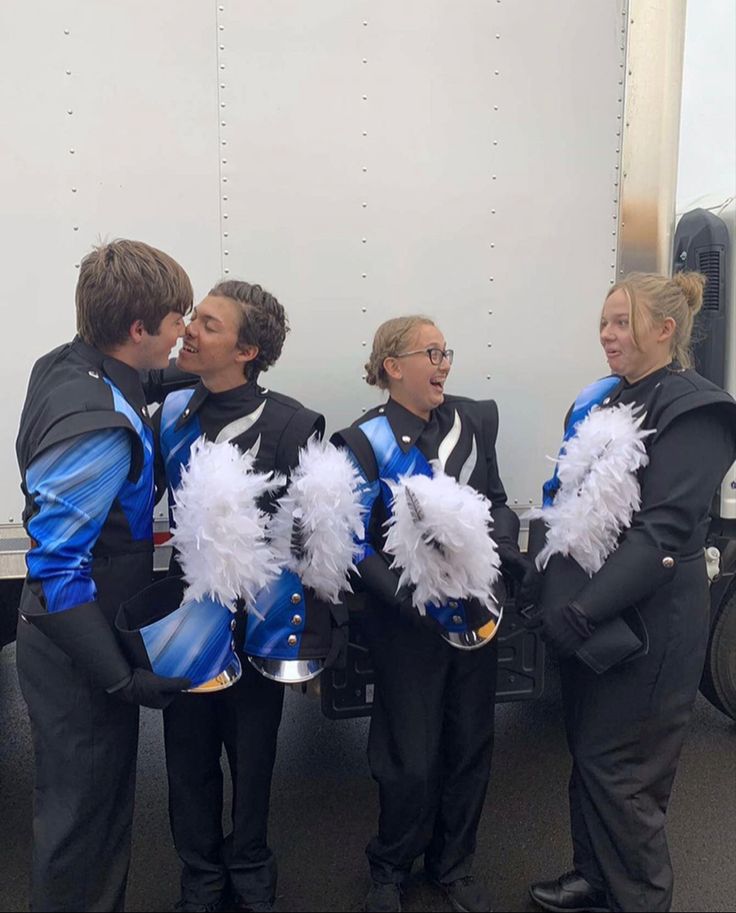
(530, 588)
(339, 636)
(524, 571)
(412, 615)
(565, 629)
(151, 690)
(512, 561)
(85, 635)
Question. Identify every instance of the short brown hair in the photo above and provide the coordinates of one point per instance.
(263, 322)
(125, 281)
(390, 340)
(653, 298)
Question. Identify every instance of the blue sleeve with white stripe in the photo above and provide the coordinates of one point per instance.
(73, 486)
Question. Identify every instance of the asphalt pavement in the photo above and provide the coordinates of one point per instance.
(324, 809)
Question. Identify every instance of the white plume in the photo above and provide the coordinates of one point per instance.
(220, 532)
(439, 536)
(314, 529)
(599, 490)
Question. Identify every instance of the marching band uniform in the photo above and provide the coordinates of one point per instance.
(626, 722)
(245, 717)
(85, 450)
(431, 733)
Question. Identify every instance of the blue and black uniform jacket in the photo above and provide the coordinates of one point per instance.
(273, 428)
(85, 452)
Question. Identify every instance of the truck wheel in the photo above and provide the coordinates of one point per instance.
(719, 676)
(10, 591)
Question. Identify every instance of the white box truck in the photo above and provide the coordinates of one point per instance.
(495, 164)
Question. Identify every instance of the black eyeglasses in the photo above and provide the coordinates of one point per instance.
(433, 354)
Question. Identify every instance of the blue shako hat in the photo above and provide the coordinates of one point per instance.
(193, 639)
(289, 635)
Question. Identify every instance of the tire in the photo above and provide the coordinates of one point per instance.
(10, 591)
(718, 683)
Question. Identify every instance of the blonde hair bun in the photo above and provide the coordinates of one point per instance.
(370, 375)
(691, 285)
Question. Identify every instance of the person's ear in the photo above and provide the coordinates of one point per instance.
(392, 367)
(136, 331)
(246, 353)
(668, 329)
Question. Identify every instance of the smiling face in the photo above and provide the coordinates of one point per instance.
(633, 358)
(154, 349)
(413, 381)
(211, 348)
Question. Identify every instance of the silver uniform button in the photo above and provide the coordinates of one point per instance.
(381, 409)
(296, 598)
(452, 604)
(292, 640)
(457, 619)
(668, 561)
(405, 438)
(296, 619)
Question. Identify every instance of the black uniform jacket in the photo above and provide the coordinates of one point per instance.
(659, 560)
(461, 433)
(272, 426)
(73, 390)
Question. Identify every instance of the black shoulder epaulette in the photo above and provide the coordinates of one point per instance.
(354, 439)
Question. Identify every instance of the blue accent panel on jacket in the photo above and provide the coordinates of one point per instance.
(391, 459)
(268, 637)
(393, 463)
(176, 443)
(73, 486)
(137, 498)
(592, 395)
(194, 641)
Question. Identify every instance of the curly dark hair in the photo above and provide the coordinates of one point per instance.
(263, 322)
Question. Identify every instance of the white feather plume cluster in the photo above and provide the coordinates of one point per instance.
(439, 536)
(220, 533)
(599, 490)
(314, 529)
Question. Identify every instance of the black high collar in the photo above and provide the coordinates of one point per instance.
(406, 426)
(125, 378)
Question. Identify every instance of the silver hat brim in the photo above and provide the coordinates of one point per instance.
(225, 679)
(288, 671)
(466, 640)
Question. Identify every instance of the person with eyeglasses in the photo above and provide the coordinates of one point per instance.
(431, 731)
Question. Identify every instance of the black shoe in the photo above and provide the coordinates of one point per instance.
(466, 895)
(570, 892)
(190, 906)
(255, 906)
(383, 898)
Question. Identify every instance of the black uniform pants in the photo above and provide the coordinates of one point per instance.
(85, 744)
(625, 732)
(245, 719)
(429, 748)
